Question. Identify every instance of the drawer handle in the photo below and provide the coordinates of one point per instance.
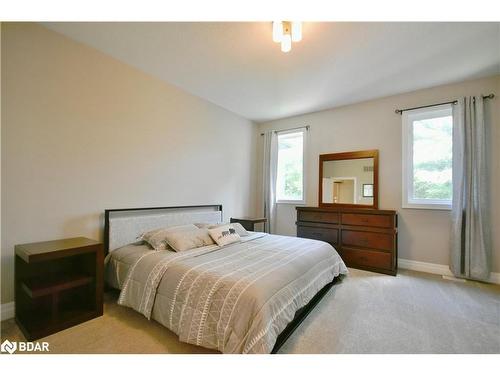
(317, 234)
(364, 241)
(364, 220)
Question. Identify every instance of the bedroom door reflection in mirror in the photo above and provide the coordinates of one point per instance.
(349, 179)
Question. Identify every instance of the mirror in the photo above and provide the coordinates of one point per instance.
(349, 179)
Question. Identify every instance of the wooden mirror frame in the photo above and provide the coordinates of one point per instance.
(347, 156)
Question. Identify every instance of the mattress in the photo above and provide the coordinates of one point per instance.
(235, 299)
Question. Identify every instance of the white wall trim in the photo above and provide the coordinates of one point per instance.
(7, 311)
(495, 277)
(437, 269)
(434, 268)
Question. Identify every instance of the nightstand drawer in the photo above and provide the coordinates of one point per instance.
(315, 233)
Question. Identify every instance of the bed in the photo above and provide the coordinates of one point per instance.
(245, 297)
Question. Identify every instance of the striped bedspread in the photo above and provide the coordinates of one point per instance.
(235, 299)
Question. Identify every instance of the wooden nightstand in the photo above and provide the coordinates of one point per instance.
(58, 284)
(248, 222)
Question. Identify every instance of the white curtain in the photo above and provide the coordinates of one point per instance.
(470, 255)
(269, 166)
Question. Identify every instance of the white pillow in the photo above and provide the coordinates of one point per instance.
(224, 235)
(237, 227)
(242, 232)
(187, 240)
(157, 237)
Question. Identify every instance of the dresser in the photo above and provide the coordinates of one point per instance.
(365, 238)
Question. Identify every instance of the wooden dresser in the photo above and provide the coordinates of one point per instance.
(364, 238)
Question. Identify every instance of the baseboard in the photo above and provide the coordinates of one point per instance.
(495, 277)
(434, 268)
(7, 311)
(437, 269)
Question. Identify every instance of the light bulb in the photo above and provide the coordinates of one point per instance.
(296, 31)
(277, 31)
(286, 43)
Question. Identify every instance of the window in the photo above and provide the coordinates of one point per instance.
(427, 158)
(290, 168)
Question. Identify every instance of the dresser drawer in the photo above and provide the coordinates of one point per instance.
(322, 234)
(367, 258)
(383, 221)
(373, 240)
(318, 216)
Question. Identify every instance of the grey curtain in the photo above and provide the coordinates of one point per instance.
(269, 166)
(470, 255)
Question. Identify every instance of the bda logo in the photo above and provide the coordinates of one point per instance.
(21, 346)
(9, 347)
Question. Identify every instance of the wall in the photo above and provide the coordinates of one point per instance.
(82, 132)
(423, 234)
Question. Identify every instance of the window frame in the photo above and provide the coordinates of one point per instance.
(304, 131)
(407, 157)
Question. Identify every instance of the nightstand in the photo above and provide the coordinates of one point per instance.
(58, 284)
(248, 222)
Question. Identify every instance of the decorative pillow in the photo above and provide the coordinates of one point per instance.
(187, 240)
(157, 237)
(224, 235)
(242, 232)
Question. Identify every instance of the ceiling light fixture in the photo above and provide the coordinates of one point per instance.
(286, 32)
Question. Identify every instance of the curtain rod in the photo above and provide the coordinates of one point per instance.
(285, 130)
(400, 111)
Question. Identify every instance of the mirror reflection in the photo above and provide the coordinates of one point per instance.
(348, 181)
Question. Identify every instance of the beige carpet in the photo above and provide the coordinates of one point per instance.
(365, 313)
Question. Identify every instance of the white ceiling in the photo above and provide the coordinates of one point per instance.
(238, 67)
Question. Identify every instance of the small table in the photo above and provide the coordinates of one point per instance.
(248, 222)
(58, 284)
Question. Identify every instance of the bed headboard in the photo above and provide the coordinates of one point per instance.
(123, 225)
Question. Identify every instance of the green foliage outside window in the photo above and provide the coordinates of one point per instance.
(289, 173)
(293, 180)
(432, 158)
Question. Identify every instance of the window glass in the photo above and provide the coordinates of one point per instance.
(432, 158)
(428, 158)
(290, 171)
